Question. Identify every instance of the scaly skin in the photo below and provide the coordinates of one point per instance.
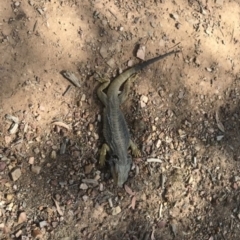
(115, 128)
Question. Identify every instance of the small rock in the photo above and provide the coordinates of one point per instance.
(180, 94)
(144, 99)
(130, 63)
(36, 169)
(220, 137)
(40, 11)
(96, 136)
(9, 207)
(17, 4)
(8, 139)
(54, 224)
(9, 197)
(13, 129)
(83, 186)
(15, 174)
(12, 118)
(2, 166)
(90, 127)
(85, 198)
(88, 168)
(111, 63)
(18, 233)
(36, 150)
(41, 108)
(158, 144)
(36, 233)
(43, 224)
(141, 52)
(83, 98)
(53, 155)
(38, 118)
(100, 187)
(31, 160)
(175, 16)
(22, 217)
(104, 51)
(219, 2)
(116, 210)
(197, 62)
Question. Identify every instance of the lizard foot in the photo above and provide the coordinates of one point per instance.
(135, 151)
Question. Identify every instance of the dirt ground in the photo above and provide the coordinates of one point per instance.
(183, 113)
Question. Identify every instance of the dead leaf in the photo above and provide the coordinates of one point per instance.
(219, 123)
(58, 207)
(152, 234)
(174, 227)
(129, 190)
(62, 124)
(133, 203)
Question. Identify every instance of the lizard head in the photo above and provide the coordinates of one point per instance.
(120, 169)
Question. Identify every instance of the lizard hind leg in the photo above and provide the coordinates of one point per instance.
(102, 95)
(135, 151)
(103, 151)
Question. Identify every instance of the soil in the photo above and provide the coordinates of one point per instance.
(183, 113)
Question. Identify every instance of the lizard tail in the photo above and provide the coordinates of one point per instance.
(153, 60)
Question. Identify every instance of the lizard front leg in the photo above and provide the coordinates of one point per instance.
(135, 151)
(102, 159)
(101, 95)
(126, 89)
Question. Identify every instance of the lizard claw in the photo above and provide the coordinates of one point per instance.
(136, 152)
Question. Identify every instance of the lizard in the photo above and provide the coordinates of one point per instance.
(115, 129)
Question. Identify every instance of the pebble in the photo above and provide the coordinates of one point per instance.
(54, 224)
(130, 63)
(144, 99)
(111, 63)
(116, 210)
(41, 108)
(83, 98)
(2, 166)
(8, 139)
(9, 197)
(22, 217)
(31, 160)
(53, 155)
(36, 169)
(158, 144)
(16, 174)
(13, 129)
(90, 127)
(219, 2)
(88, 168)
(18, 233)
(43, 224)
(36, 150)
(141, 52)
(17, 4)
(85, 198)
(103, 51)
(83, 186)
